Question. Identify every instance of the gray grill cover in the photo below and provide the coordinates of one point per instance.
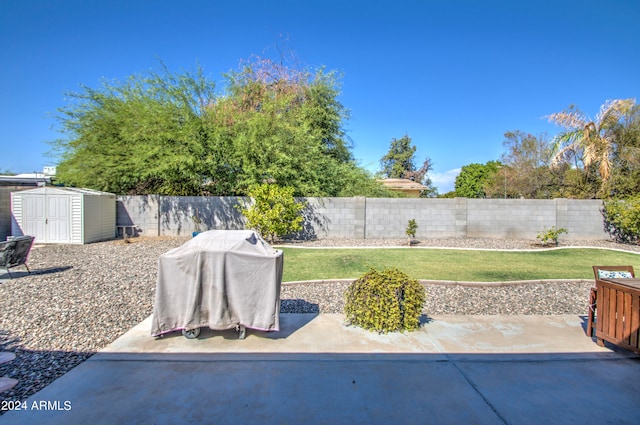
(219, 279)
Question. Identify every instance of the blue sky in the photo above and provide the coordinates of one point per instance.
(453, 75)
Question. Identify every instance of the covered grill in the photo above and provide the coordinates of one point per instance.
(220, 279)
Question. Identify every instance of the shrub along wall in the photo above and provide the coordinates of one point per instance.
(375, 218)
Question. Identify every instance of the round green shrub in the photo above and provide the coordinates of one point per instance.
(385, 301)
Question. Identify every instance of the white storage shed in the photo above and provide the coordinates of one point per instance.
(63, 215)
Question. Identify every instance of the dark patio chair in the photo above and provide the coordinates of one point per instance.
(14, 253)
(7, 383)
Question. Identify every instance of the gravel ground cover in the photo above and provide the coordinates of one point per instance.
(79, 298)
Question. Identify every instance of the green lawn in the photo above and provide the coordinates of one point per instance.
(446, 264)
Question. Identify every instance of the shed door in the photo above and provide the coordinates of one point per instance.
(58, 220)
(34, 217)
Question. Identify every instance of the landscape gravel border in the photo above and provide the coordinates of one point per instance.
(80, 298)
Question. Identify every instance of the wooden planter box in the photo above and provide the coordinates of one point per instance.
(618, 312)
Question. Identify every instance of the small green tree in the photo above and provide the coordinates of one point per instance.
(274, 212)
(412, 227)
(551, 235)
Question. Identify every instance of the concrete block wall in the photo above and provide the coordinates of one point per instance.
(154, 215)
(388, 218)
(510, 218)
(359, 217)
(5, 208)
(341, 218)
(182, 215)
(376, 218)
(5, 213)
(581, 216)
(139, 211)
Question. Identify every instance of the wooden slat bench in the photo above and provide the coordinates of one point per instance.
(617, 310)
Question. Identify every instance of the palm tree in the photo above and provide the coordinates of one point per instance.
(589, 141)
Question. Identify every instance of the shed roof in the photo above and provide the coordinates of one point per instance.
(400, 184)
(65, 190)
(24, 180)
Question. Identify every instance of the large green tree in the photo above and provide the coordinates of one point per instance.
(400, 163)
(141, 135)
(525, 172)
(589, 143)
(174, 134)
(471, 181)
(625, 161)
(286, 126)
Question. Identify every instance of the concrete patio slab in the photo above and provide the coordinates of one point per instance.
(523, 334)
(299, 333)
(327, 333)
(315, 370)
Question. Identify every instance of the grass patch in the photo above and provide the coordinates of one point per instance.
(449, 264)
